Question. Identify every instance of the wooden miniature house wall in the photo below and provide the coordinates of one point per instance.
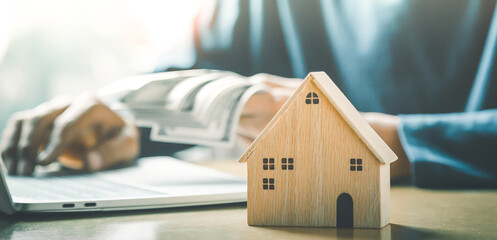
(318, 163)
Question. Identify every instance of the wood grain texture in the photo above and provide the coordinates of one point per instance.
(321, 143)
(379, 148)
(348, 112)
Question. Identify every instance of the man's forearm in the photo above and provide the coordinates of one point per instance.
(454, 150)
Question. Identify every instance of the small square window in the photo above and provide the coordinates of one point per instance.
(268, 163)
(268, 183)
(286, 166)
(308, 101)
(356, 164)
(315, 101)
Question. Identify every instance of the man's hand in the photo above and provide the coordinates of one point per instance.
(262, 107)
(386, 126)
(81, 134)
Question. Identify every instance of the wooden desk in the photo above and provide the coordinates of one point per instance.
(416, 214)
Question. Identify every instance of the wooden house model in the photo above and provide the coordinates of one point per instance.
(318, 163)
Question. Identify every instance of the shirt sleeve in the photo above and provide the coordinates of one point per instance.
(455, 150)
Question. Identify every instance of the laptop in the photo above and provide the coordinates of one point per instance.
(155, 182)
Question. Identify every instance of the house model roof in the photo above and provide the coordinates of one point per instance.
(348, 112)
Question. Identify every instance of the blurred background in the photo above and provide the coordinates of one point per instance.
(56, 47)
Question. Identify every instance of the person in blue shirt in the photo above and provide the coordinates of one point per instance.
(423, 72)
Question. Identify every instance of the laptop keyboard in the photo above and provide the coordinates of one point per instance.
(67, 188)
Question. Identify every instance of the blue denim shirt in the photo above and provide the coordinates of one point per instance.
(430, 62)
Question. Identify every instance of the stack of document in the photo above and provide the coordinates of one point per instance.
(193, 107)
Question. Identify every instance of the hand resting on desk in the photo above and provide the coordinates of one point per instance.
(81, 133)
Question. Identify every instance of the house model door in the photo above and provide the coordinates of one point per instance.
(345, 211)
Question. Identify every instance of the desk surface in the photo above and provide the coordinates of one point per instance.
(416, 213)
